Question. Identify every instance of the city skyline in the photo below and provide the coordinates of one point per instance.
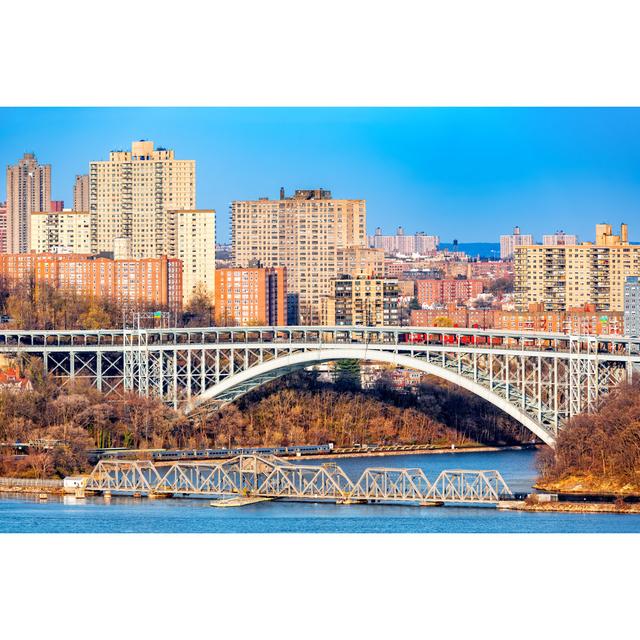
(468, 174)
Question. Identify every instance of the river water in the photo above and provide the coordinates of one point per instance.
(128, 515)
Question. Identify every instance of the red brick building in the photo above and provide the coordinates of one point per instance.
(453, 316)
(152, 281)
(250, 296)
(446, 292)
(492, 269)
(577, 321)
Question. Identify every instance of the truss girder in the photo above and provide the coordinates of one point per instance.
(547, 383)
(271, 477)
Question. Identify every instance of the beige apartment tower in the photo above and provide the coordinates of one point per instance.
(191, 237)
(361, 261)
(28, 191)
(131, 193)
(303, 233)
(61, 232)
(361, 301)
(568, 276)
(142, 203)
(508, 243)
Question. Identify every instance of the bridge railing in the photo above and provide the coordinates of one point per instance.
(453, 337)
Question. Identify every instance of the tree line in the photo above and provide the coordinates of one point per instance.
(75, 417)
(300, 409)
(29, 304)
(602, 448)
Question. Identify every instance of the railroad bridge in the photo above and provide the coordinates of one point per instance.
(274, 478)
(540, 379)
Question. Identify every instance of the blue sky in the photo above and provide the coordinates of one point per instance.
(465, 173)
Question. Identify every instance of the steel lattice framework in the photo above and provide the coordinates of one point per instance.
(541, 379)
(272, 477)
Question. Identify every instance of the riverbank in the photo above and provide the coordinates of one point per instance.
(376, 453)
(571, 507)
(31, 486)
(589, 485)
(58, 491)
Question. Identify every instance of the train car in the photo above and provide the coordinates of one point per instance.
(168, 455)
(411, 338)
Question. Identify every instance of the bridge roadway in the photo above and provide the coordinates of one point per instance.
(271, 477)
(540, 379)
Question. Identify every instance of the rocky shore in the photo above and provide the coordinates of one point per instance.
(583, 507)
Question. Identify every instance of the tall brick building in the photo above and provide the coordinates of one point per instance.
(251, 296)
(149, 281)
(449, 291)
(28, 191)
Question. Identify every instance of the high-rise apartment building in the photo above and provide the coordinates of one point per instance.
(371, 302)
(509, 242)
(81, 193)
(559, 238)
(567, 276)
(153, 282)
(361, 261)
(250, 296)
(3, 227)
(148, 196)
(131, 193)
(56, 206)
(191, 237)
(632, 307)
(402, 244)
(64, 232)
(28, 191)
(302, 233)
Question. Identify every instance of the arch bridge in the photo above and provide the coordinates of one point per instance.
(540, 379)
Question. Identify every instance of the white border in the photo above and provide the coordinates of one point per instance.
(324, 53)
(312, 586)
(347, 52)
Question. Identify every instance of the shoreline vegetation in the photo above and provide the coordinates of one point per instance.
(588, 485)
(597, 453)
(61, 424)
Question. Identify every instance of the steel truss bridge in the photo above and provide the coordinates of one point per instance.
(541, 379)
(272, 477)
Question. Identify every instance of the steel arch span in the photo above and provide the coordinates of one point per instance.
(240, 383)
(541, 379)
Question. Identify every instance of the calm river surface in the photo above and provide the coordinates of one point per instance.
(127, 515)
